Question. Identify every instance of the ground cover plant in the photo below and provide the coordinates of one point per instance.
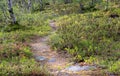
(88, 30)
(16, 57)
(91, 37)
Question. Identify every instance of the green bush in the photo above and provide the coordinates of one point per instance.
(16, 59)
(23, 67)
(65, 8)
(90, 37)
(9, 51)
(91, 34)
(115, 67)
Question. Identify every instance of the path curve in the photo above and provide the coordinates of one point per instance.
(57, 63)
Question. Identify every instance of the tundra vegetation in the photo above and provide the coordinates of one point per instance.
(88, 30)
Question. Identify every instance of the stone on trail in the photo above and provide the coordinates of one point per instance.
(40, 58)
(77, 68)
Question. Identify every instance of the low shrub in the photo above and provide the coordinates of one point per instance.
(115, 67)
(87, 35)
(23, 67)
(16, 59)
(9, 51)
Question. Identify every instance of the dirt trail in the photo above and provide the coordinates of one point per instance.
(51, 58)
(57, 63)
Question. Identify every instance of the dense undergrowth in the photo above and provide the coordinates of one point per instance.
(16, 59)
(90, 37)
(15, 55)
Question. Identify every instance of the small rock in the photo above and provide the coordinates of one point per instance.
(77, 68)
(40, 58)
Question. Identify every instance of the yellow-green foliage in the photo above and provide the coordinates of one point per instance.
(35, 19)
(63, 9)
(23, 67)
(115, 67)
(82, 35)
(90, 34)
(16, 59)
